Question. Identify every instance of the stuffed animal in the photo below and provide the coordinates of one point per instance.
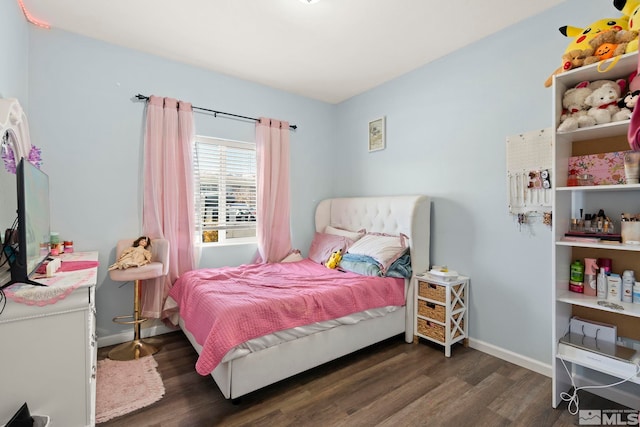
(582, 36)
(608, 44)
(626, 104)
(604, 101)
(580, 47)
(574, 109)
(631, 9)
(629, 100)
(334, 259)
(622, 83)
(570, 60)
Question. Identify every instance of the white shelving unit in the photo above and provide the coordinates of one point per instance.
(568, 201)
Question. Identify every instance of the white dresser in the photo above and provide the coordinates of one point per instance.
(48, 352)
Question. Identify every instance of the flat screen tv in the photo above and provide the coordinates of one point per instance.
(33, 230)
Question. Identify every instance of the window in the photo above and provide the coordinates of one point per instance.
(225, 174)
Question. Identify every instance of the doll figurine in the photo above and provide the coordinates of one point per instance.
(135, 256)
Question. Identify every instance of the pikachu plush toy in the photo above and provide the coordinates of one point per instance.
(582, 50)
(334, 259)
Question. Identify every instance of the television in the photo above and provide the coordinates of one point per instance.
(33, 224)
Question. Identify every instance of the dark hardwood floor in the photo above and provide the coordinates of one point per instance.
(390, 384)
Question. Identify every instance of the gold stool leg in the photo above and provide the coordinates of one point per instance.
(137, 348)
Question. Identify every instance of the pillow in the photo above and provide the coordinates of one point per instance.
(323, 245)
(385, 249)
(294, 256)
(353, 235)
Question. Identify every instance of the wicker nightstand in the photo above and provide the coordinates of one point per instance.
(441, 311)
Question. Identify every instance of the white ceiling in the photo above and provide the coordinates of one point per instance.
(330, 50)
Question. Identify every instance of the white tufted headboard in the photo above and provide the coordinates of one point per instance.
(409, 215)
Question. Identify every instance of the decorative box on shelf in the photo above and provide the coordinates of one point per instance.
(441, 309)
(603, 168)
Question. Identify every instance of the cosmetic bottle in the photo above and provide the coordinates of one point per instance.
(576, 277)
(601, 284)
(614, 287)
(628, 281)
(590, 273)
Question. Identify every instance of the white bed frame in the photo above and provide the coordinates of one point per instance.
(409, 215)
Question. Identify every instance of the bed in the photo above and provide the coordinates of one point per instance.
(267, 359)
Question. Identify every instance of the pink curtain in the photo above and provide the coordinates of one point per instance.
(273, 226)
(168, 192)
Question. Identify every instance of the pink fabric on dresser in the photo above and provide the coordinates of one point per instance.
(227, 306)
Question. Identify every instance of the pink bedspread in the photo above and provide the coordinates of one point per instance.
(224, 307)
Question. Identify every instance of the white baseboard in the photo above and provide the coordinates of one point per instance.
(509, 356)
(128, 336)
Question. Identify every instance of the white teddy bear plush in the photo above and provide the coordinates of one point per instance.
(574, 114)
(604, 101)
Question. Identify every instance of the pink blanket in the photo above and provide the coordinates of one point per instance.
(224, 307)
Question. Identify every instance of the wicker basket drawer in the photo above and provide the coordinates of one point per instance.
(435, 291)
(431, 330)
(432, 310)
(436, 331)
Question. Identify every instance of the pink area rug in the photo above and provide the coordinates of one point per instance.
(123, 387)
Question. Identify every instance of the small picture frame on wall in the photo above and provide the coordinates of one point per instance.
(377, 134)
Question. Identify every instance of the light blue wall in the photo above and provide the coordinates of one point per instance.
(91, 135)
(447, 124)
(446, 129)
(14, 42)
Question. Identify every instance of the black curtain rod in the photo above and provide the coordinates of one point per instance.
(215, 113)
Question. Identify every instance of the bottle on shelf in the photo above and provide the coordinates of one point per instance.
(636, 293)
(590, 273)
(605, 264)
(601, 284)
(628, 281)
(614, 287)
(576, 277)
